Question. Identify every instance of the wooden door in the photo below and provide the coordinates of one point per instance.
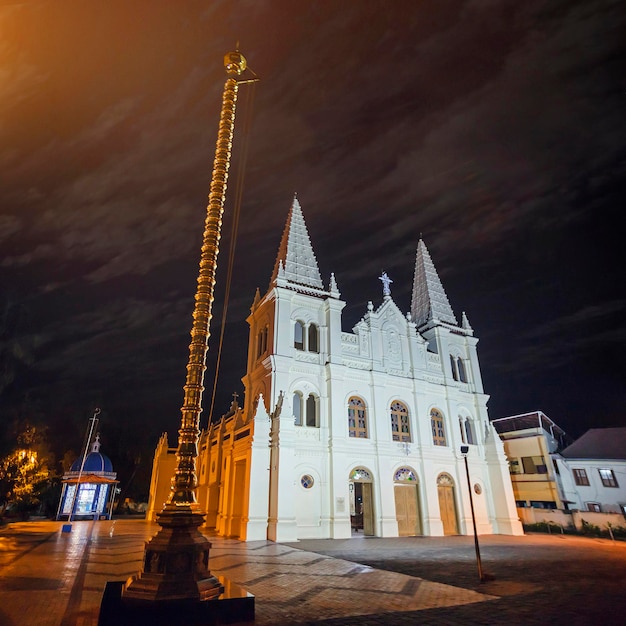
(407, 510)
(447, 509)
(239, 480)
(368, 509)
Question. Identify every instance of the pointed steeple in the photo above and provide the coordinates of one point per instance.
(429, 302)
(296, 262)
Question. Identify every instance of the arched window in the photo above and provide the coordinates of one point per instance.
(462, 425)
(455, 373)
(298, 335)
(361, 474)
(297, 409)
(438, 428)
(357, 418)
(400, 428)
(458, 368)
(314, 338)
(461, 367)
(311, 411)
(261, 343)
(469, 431)
(405, 474)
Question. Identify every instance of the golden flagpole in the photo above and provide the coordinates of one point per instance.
(176, 559)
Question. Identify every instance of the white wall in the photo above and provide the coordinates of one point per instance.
(611, 499)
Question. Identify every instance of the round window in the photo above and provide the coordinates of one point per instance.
(477, 489)
(307, 481)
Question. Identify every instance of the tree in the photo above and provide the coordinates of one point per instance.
(25, 476)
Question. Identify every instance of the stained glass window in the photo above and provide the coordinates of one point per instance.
(405, 474)
(400, 428)
(357, 418)
(360, 474)
(437, 426)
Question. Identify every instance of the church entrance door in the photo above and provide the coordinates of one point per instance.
(406, 493)
(447, 505)
(361, 502)
(368, 509)
(407, 510)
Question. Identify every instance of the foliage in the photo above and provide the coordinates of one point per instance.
(549, 527)
(25, 476)
(619, 532)
(590, 530)
(587, 530)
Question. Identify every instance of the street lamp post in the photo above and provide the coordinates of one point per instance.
(481, 575)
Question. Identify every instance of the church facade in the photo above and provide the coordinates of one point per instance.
(345, 433)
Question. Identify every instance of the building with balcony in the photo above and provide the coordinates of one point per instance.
(530, 440)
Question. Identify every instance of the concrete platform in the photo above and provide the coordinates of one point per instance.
(234, 605)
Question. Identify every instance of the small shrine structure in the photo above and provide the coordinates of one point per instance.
(96, 482)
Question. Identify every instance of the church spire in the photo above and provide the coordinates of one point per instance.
(296, 262)
(429, 302)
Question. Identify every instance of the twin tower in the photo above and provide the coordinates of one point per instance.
(347, 433)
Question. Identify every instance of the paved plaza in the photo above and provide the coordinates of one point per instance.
(50, 578)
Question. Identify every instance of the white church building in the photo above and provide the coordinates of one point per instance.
(347, 433)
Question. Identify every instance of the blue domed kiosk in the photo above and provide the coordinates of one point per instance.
(96, 482)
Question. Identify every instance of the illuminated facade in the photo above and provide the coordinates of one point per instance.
(345, 433)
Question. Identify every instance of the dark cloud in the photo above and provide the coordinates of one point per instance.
(492, 129)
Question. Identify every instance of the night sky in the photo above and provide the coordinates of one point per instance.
(495, 129)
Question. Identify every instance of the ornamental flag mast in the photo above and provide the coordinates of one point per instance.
(176, 559)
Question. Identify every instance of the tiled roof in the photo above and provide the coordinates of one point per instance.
(598, 443)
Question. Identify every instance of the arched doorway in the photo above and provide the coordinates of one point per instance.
(447, 504)
(361, 501)
(407, 502)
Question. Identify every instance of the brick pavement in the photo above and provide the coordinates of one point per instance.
(50, 578)
(53, 578)
(539, 579)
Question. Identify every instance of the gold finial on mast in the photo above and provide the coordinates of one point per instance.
(235, 63)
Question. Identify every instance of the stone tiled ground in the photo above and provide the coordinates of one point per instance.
(53, 578)
(538, 579)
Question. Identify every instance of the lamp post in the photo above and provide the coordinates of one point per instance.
(481, 575)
